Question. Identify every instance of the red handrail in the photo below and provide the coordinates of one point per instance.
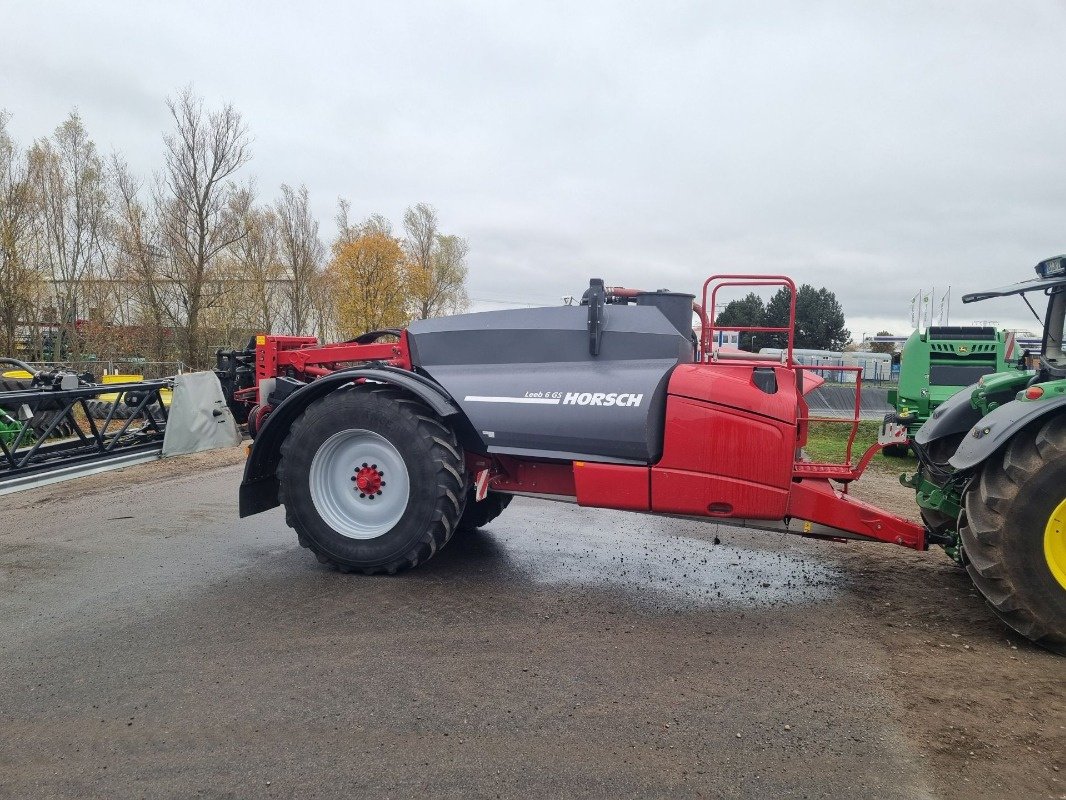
(854, 421)
(722, 281)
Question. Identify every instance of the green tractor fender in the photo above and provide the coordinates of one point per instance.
(998, 427)
(955, 415)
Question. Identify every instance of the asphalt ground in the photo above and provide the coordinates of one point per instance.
(154, 645)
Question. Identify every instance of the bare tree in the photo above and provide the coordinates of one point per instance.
(140, 259)
(437, 265)
(448, 285)
(202, 155)
(258, 261)
(301, 251)
(324, 318)
(72, 184)
(420, 224)
(18, 208)
(346, 231)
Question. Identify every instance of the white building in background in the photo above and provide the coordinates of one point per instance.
(721, 338)
(875, 366)
(727, 339)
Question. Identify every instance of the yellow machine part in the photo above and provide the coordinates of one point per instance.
(1055, 543)
(164, 394)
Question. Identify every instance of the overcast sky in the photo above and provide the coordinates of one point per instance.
(871, 148)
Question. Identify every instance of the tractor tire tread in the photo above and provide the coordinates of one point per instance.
(988, 502)
(99, 409)
(451, 483)
(479, 514)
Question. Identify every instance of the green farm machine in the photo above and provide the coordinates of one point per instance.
(942, 360)
(991, 479)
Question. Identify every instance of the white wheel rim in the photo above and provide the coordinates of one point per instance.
(341, 501)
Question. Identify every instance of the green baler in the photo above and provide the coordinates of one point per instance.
(937, 363)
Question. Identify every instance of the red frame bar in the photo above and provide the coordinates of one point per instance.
(816, 500)
(846, 471)
(304, 355)
(722, 281)
(304, 359)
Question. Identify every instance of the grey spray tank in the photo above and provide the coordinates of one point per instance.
(529, 385)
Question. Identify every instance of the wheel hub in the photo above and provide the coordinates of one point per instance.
(368, 481)
(348, 477)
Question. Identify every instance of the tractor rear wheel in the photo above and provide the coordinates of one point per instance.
(1014, 536)
(372, 480)
(479, 513)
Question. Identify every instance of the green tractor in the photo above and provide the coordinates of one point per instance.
(991, 479)
(938, 362)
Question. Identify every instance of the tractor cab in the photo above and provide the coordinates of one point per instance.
(1051, 281)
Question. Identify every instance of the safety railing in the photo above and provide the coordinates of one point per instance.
(717, 282)
(847, 470)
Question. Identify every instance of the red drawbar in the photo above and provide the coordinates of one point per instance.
(612, 486)
(817, 501)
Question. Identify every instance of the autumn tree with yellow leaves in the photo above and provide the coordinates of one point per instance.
(382, 281)
(368, 276)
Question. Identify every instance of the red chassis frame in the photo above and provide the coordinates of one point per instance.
(729, 452)
(304, 358)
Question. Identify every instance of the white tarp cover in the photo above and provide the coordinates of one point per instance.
(199, 418)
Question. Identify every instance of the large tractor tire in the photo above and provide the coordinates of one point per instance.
(44, 412)
(14, 384)
(479, 513)
(100, 409)
(372, 480)
(1014, 536)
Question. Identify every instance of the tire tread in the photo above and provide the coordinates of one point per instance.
(985, 536)
(451, 481)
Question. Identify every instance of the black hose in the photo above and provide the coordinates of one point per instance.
(20, 364)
